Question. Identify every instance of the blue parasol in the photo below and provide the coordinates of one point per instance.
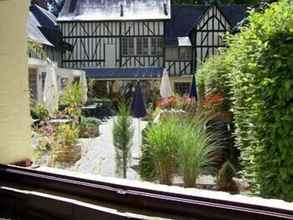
(138, 106)
(138, 109)
(193, 92)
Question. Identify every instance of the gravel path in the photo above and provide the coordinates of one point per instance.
(98, 154)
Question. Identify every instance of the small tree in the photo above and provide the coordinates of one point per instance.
(122, 136)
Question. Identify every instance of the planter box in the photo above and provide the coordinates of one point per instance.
(89, 132)
(67, 154)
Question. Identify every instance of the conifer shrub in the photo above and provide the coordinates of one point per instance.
(122, 139)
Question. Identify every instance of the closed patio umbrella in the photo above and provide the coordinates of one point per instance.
(165, 88)
(193, 92)
(50, 95)
(138, 108)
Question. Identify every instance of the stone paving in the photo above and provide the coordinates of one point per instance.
(98, 154)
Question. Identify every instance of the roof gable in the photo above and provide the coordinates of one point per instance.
(186, 17)
(46, 24)
(183, 19)
(44, 17)
(101, 10)
(234, 13)
(33, 31)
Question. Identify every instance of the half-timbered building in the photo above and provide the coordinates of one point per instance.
(138, 39)
(46, 46)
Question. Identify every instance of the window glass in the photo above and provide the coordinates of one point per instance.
(130, 47)
(142, 48)
(156, 46)
(127, 46)
(145, 46)
(124, 46)
(139, 46)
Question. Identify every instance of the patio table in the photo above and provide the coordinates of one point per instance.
(90, 110)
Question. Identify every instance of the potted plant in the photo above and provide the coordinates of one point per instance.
(65, 148)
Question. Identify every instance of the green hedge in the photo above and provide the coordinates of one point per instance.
(260, 72)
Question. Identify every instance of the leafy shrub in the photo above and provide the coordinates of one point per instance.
(261, 81)
(122, 136)
(72, 95)
(213, 77)
(259, 63)
(225, 176)
(72, 98)
(40, 112)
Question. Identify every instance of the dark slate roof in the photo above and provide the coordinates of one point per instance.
(185, 17)
(33, 31)
(48, 25)
(44, 17)
(234, 13)
(124, 73)
(101, 10)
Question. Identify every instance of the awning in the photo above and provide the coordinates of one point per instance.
(184, 42)
(124, 73)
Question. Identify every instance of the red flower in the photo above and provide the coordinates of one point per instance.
(212, 99)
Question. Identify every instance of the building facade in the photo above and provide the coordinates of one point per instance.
(45, 49)
(137, 39)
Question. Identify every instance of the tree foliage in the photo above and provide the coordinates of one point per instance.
(259, 64)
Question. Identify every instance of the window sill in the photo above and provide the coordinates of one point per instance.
(148, 196)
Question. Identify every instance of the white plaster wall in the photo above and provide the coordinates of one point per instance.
(15, 132)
